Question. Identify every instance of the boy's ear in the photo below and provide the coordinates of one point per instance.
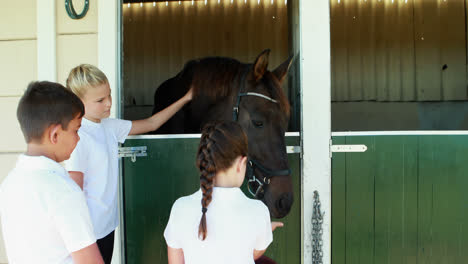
(53, 132)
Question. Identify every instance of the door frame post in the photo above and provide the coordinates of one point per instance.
(316, 120)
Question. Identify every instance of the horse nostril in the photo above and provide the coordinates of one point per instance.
(283, 204)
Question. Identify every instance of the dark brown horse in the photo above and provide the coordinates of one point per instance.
(226, 89)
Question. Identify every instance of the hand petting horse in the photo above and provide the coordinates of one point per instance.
(226, 89)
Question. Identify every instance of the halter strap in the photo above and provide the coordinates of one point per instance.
(235, 109)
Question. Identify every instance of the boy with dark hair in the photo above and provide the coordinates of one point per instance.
(44, 214)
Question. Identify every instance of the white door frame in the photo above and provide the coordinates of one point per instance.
(46, 40)
(316, 120)
(109, 62)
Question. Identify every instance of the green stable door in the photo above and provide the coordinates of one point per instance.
(404, 200)
(151, 184)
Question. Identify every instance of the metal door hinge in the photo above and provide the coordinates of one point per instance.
(132, 152)
(346, 148)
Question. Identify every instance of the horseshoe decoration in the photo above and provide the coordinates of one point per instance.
(71, 10)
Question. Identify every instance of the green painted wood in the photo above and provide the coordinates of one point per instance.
(395, 199)
(153, 183)
(360, 203)
(338, 199)
(404, 200)
(443, 199)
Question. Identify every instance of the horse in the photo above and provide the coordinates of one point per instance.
(226, 89)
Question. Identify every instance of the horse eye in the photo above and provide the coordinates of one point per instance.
(258, 124)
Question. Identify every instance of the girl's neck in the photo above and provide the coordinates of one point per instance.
(226, 179)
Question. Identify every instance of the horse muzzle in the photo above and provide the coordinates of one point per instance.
(258, 186)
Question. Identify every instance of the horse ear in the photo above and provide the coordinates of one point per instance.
(260, 65)
(283, 69)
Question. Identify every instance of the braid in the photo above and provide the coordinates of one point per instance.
(220, 144)
(207, 173)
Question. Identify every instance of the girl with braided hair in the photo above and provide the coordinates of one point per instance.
(219, 223)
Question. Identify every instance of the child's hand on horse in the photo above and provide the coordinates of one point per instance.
(189, 94)
(274, 225)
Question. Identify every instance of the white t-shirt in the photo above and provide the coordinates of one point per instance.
(96, 156)
(44, 213)
(236, 225)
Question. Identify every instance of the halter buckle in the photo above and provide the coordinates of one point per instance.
(259, 186)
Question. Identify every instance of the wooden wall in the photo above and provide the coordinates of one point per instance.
(158, 40)
(398, 50)
(18, 66)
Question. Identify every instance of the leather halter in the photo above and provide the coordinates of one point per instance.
(255, 184)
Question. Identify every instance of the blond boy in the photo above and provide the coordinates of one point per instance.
(94, 162)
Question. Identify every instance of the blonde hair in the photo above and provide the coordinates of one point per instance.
(83, 77)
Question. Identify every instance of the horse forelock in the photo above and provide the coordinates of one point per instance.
(277, 92)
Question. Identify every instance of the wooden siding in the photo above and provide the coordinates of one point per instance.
(18, 66)
(77, 40)
(73, 50)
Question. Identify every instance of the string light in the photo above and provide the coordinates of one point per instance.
(245, 2)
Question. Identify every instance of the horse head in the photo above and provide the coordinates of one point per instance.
(263, 112)
(225, 89)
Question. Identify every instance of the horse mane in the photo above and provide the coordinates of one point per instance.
(215, 77)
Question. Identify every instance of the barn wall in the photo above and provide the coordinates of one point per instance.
(76, 43)
(159, 40)
(17, 67)
(389, 116)
(412, 50)
(76, 39)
